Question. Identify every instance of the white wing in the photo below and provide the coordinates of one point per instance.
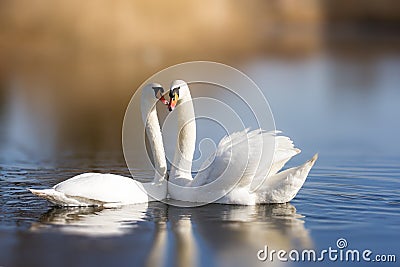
(284, 150)
(239, 151)
(95, 189)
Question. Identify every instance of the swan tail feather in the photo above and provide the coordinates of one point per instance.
(284, 186)
(60, 199)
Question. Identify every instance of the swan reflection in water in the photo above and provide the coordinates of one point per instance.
(225, 235)
(92, 221)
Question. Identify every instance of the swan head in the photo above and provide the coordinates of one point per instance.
(151, 93)
(179, 90)
(158, 91)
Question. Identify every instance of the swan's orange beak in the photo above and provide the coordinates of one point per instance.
(164, 101)
(172, 101)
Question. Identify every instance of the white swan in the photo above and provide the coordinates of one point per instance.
(255, 185)
(110, 190)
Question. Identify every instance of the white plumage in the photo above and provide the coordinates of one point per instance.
(236, 173)
(110, 190)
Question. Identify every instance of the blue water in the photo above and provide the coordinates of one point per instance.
(346, 110)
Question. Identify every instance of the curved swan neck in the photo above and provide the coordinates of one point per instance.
(154, 137)
(185, 145)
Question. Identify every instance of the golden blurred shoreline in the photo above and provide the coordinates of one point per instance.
(81, 61)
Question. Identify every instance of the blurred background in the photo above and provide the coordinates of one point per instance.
(69, 68)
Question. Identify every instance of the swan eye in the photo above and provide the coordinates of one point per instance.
(174, 92)
(158, 91)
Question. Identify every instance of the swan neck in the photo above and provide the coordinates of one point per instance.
(185, 145)
(154, 136)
